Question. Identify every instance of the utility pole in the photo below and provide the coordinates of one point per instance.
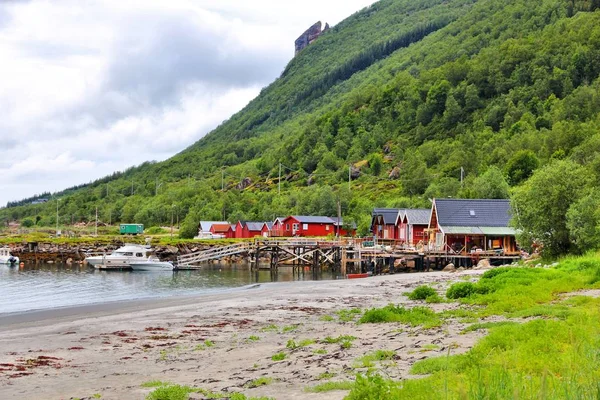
(156, 186)
(96, 229)
(279, 181)
(462, 176)
(132, 187)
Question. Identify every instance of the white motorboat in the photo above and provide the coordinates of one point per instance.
(122, 257)
(7, 258)
(151, 264)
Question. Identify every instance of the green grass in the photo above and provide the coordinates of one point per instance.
(270, 328)
(291, 344)
(348, 315)
(326, 375)
(320, 351)
(326, 318)
(415, 316)
(262, 381)
(330, 386)
(253, 338)
(486, 325)
(290, 328)
(278, 357)
(553, 355)
(369, 359)
(153, 384)
(422, 293)
(339, 339)
(205, 345)
(167, 391)
(171, 392)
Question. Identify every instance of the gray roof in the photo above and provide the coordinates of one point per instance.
(254, 226)
(389, 214)
(418, 216)
(464, 213)
(307, 219)
(269, 225)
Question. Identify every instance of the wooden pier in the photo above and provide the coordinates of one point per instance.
(345, 256)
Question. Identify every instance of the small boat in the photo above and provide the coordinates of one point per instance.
(120, 258)
(7, 258)
(357, 276)
(151, 264)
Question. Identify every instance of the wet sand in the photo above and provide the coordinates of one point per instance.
(220, 342)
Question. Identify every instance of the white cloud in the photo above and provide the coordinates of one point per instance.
(97, 86)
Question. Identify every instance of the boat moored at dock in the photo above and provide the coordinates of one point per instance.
(7, 258)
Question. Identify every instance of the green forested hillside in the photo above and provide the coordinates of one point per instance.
(405, 94)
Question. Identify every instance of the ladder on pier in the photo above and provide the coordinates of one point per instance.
(188, 261)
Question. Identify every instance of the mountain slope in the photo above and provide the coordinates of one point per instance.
(408, 91)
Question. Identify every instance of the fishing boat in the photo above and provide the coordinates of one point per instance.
(7, 258)
(121, 258)
(151, 264)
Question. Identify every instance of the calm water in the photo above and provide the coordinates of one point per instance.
(50, 286)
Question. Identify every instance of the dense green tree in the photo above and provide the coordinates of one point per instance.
(583, 222)
(491, 185)
(521, 166)
(540, 205)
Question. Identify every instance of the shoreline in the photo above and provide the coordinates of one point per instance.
(117, 306)
(221, 342)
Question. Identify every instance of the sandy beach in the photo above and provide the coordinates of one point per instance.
(220, 342)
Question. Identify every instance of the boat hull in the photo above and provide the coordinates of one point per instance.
(152, 266)
(357, 276)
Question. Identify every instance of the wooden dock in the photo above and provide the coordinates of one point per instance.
(345, 256)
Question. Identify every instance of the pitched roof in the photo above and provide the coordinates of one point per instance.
(220, 228)
(469, 213)
(206, 225)
(418, 216)
(269, 225)
(389, 214)
(253, 226)
(307, 219)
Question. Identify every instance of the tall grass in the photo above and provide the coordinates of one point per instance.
(553, 357)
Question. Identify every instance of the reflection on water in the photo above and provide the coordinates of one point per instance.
(34, 287)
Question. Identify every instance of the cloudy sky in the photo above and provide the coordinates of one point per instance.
(89, 87)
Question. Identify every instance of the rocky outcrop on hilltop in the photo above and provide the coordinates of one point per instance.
(309, 36)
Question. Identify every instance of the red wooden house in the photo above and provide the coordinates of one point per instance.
(411, 225)
(277, 227)
(245, 229)
(231, 231)
(471, 226)
(383, 223)
(220, 229)
(302, 225)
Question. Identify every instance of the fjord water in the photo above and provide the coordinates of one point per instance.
(40, 287)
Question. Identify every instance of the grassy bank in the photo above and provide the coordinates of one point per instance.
(545, 347)
(108, 238)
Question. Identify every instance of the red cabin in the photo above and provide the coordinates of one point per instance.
(412, 224)
(383, 223)
(246, 230)
(220, 229)
(302, 225)
(471, 226)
